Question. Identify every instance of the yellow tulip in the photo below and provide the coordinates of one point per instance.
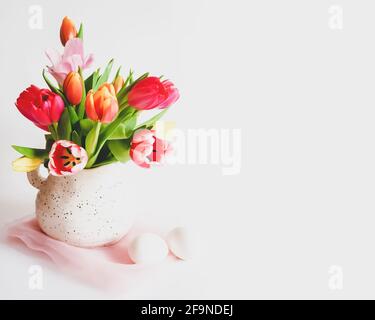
(26, 164)
(118, 84)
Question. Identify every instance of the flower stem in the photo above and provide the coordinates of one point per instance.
(53, 130)
(92, 144)
(81, 106)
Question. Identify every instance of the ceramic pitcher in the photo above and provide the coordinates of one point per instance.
(84, 210)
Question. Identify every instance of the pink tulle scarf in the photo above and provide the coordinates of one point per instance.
(104, 267)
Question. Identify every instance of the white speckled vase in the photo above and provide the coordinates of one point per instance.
(84, 210)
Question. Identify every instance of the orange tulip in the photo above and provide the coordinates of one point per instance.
(67, 30)
(73, 88)
(102, 105)
(118, 83)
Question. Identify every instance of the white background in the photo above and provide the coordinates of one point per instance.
(302, 94)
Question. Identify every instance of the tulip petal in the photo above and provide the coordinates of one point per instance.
(73, 47)
(67, 158)
(102, 105)
(53, 56)
(70, 60)
(41, 106)
(88, 61)
(25, 164)
(173, 95)
(147, 94)
(147, 149)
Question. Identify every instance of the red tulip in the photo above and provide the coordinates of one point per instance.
(102, 105)
(67, 30)
(73, 88)
(41, 106)
(151, 93)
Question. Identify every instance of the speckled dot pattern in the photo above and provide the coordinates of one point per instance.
(84, 210)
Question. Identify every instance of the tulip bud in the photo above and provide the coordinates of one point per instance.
(25, 164)
(73, 88)
(118, 83)
(67, 30)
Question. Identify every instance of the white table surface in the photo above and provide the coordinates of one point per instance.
(299, 215)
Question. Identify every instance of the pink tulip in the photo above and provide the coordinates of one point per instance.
(151, 93)
(146, 149)
(66, 158)
(41, 106)
(72, 58)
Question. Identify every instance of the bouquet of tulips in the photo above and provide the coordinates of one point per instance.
(91, 122)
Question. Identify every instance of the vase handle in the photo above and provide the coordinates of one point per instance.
(36, 179)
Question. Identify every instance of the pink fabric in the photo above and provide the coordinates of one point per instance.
(104, 267)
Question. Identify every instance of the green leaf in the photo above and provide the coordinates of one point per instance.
(86, 126)
(117, 73)
(80, 32)
(105, 162)
(124, 116)
(65, 127)
(108, 131)
(54, 88)
(104, 77)
(151, 122)
(73, 115)
(76, 138)
(48, 137)
(49, 83)
(49, 141)
(111, 128)
(53, 130)
(125, 129)
(92, 140)
(96, 78)
(81, 108)
(89, 82)
(32, 153)
(129, 78)
(120, 149)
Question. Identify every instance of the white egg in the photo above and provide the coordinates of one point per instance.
(182, 243)
(148, 248)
